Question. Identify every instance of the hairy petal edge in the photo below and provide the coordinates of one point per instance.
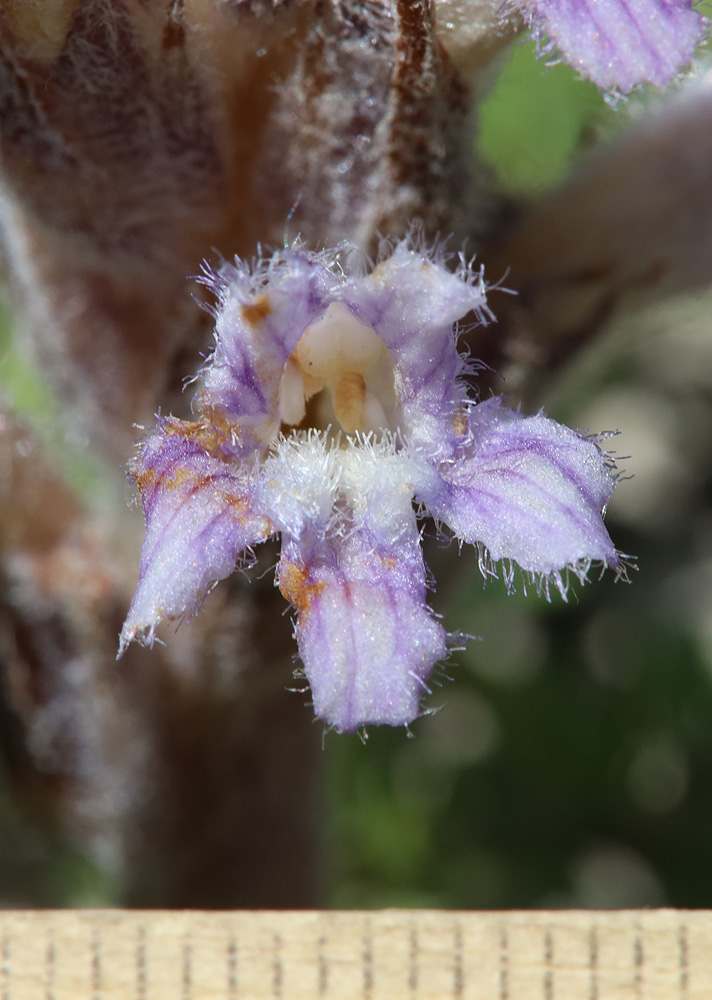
(199, 518)
(529, 490)
(621, 43)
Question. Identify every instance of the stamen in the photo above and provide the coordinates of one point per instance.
(374, 417)
(291, 395)
(348, 394)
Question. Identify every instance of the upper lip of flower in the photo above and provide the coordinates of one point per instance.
(520, 488)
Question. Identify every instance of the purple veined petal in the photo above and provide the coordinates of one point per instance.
(412, 301)
(200, 515)
(621, 43)
(529, 490)
(260, 317)
(366, 635)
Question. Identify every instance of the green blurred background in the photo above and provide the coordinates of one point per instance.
(572, 762)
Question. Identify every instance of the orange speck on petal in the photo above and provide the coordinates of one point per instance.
(180, 478)
(210, 433)
(145, 479)
(294, 586)
(459, 422)
(256, 311)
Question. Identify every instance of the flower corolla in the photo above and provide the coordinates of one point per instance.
(335, 412)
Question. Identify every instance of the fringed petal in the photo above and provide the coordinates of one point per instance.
(200, 515)
(366, 635)
(261, 314)
(621, 43)
(529, 490)
(411, 299)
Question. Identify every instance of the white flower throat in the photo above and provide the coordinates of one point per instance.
(349, 365)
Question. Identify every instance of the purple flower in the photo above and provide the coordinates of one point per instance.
(620, 43)
(333, 401)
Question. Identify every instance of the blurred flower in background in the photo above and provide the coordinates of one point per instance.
(619, 45)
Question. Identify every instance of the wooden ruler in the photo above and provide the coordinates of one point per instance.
(356, 955)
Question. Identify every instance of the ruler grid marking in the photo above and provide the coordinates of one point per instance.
(683, 961)
(187, 968)
(458, 971)
(548, 984)
(50, 965)
(277, 967)
(503, 964)
(593, 991)
(140, 963)
(413, 958)
(95, 966)
(352, 955)
(5, 968)
(638, 962)
(367, 961)
(322, 969)
(232, 968)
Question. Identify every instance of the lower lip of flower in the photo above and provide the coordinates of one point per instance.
(346, 369)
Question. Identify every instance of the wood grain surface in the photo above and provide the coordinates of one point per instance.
(356, 955)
